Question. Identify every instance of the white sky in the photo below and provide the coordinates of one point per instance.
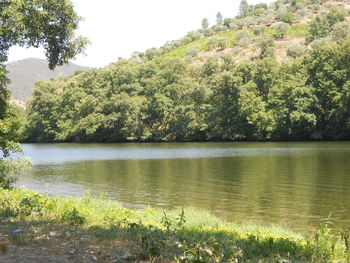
(116, 28)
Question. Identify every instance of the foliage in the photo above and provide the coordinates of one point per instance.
(259, 31)
(192, 51)
(205, 23)
(282, 29)
(31, 23)
(328, 73)
(294, 31)
(267, 48)
(184, 235)
(219, 18)
(322, 24)
(287, 17)
(295, 50)
(244, 8)
(169, 100)
(341, 30)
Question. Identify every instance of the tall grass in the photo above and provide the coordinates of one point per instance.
(185, 235)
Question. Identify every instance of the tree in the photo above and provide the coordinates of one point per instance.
(322, 24)
(219, 18)
(205, 23)
(50, 24)
(282, 29)
(328, 73)
(244, 8)
(286, 17)
(267, 48)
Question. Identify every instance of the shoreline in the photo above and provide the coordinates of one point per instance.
(103, 231)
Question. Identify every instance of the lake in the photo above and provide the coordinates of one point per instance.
(293, 184)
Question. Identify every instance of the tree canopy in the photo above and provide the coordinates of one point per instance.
(168, 99)
(46, 23)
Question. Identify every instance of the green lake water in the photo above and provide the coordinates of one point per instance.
(293, 184)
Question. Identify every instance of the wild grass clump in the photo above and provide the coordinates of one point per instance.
(185, 235)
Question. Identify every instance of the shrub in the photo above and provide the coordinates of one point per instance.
(236, 50)
(287, 17)
(195, 35)
(258, 12)
(341, 30)
(245, 42)
(212, 42)
(267, 48)
(185, 40)
(259, 31)
(242, 34)
(227, 22)
(192, 51)
(216, 42)
(219, 28)
(301, 13)
(282, 29)
(222, 42)
(152, 53)
(208, 32)
(295, 50)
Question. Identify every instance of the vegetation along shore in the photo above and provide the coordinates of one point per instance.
(103, 231)
(274, 72)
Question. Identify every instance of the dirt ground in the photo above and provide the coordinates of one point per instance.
(42, 254)
(61, 245)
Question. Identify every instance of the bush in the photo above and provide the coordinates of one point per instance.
(295, 50)
(259, 31)
(301, 13)
(185, 40)
(216, 42)
(195, 35)
(192, 51)
(258, 12)
(227, 22)
(267, 48)
(208, 32)
(236, 50)
(219, 28)
(285, 15)
(282, 29)
(242, 34)
(222, 42)
(341, 30)
(152, 53)
(245, 42)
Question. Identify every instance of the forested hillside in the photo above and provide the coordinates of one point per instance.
(24, 73)
(234, 85)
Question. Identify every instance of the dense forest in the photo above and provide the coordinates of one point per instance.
(162, 98)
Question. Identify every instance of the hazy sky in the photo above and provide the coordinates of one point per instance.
(117, 28)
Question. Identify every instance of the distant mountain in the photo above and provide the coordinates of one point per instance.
(24, 73)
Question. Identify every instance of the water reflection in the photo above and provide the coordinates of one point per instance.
(290, 184)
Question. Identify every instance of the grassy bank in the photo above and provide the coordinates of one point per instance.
(110, 233)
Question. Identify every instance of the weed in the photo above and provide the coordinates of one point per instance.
(73, 217)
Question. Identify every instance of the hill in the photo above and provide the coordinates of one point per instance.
(239, 37)
(277, 72)
(24, 73)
